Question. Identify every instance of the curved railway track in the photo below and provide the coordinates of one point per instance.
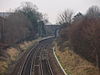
(35, 61)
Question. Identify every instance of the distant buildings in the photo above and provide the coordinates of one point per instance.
(78, 16)
(5, 14)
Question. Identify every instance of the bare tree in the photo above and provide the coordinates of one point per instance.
(16, 28)
(84, 36)
(65, 17)
(32, 13)
(93, 11)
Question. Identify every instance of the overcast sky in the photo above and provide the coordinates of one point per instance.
(52, 7)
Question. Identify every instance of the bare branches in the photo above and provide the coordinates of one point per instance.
(93, 11)
(84, 36)
(65, 17)
(16, 28)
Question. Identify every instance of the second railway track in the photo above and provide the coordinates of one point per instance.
(36, 61)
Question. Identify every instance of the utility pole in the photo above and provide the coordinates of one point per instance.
(2, 32)
(40, 29)
(3, 29)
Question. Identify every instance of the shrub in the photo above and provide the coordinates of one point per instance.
(85, 38)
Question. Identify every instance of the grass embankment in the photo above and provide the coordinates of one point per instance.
(14, 54)
(74, 64)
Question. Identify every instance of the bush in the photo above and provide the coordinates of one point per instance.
(85, 38)
(64, 33)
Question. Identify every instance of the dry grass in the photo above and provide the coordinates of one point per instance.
(14, 54)
(3, 67)
(25, 45)
(74, 64)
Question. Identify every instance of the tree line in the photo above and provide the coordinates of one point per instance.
(25, 23)
(83, 33)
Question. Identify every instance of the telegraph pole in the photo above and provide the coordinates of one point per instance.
(2, 32)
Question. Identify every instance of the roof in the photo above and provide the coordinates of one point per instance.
(5, 14)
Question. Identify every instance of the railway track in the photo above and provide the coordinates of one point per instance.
(36, 61)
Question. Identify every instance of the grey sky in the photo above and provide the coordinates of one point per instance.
(52, 7)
